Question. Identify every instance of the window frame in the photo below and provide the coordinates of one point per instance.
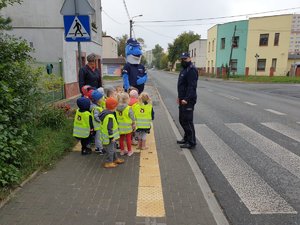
(276, 39)
(223, 43)
(263, 42)
(264, 61)
(233, 62)
(237, 40)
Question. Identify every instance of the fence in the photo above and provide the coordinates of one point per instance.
(55, 69)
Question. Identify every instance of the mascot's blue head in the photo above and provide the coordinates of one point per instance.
(133, 51)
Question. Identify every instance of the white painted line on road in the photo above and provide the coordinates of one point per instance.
(298, 122)
(250, 103)
(253, 191)
(275, 112)
(285, 130)
(279, 154)
(229, 96)
(209, 196)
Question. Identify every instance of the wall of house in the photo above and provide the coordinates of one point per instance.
(110, 47)
(269, 25)
(211, 49)
(238, 53)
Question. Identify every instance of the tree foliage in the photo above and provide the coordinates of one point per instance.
(5, 22)
(181, 44)
(157, 54)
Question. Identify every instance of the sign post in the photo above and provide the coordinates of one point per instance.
(77, 22)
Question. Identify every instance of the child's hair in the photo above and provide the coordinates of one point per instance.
(110, 92)
(123, 98)
(132, 88)
(119, 89)
(144, 98)
(133, 94)
(101, 90)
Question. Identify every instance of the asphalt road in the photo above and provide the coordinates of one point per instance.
(248, 146)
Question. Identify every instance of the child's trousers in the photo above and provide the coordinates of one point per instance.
(128, 141)
(111, 152)
(98, 142)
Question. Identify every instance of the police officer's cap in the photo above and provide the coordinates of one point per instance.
(185, 55)
(132, 42)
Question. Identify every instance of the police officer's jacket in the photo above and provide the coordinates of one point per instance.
(187, 84)
(134, 71)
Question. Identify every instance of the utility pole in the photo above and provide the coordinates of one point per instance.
(78, 43)
(230, 57)
(130, 24)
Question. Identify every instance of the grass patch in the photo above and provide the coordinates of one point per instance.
(267, 79)
(112, 78)
(49, 146)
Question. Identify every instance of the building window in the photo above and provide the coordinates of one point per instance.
(208, 46)
(233, 64)
(31, 44)
(274, 62)
(222, 43)
(195, 52)
(263, 40)
(235, 41)
(261, 64)
(208, 64)
(213, 45)
(212, 63)
(276, 39)
(192, 53)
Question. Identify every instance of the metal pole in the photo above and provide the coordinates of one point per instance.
(230, 57)
(130, 24)
(78, 43)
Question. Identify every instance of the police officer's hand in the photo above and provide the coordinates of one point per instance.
(177, 101)
(183, 102)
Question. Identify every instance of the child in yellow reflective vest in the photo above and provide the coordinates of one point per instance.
(83, 125)
(96, 109)
(126, 121)
(110, 133)
(144, 114)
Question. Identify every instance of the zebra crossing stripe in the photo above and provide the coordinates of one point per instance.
(250, 103)
(285, 130)
(279, 154)
(276, 112)
(254, 192)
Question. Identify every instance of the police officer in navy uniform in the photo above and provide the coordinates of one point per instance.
(187, 98)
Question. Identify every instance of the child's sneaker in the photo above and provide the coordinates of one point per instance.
(110, 165)
(99, 151)
(134, 142)
(84, 152)
(123, 152)
(130, 153)
(119, 161)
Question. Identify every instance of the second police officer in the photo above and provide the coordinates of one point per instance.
(187, 98)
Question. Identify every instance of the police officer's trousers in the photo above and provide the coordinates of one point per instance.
(186, 115)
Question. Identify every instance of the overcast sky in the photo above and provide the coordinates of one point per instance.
(115, 20)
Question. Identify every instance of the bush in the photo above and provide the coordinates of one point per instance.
(52, 117)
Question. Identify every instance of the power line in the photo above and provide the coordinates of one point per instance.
(154, 32)
(214, 18)
(112, 18)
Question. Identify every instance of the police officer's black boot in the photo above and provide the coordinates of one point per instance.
(183, 141)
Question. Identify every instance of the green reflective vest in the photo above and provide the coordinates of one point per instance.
(143, 115)
(81, 127)
(104, 136)
(124, 121)
(96, 123)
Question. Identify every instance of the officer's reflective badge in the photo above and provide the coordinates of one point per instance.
(120, 113)
(79, 118)
(142, 111)
(141, 70)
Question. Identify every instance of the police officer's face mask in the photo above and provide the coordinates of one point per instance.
(184, 64)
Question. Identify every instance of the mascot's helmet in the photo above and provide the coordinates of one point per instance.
(132, 42)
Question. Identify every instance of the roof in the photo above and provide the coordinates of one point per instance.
(120, 60)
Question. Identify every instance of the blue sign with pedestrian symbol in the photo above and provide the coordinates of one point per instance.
(77, 28)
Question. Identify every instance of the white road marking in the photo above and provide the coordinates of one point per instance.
(250, 103)
(254, 192)
(285, 130)
(275, 112)
(279, 154)
(228, 96)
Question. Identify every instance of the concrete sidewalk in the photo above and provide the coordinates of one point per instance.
(153, 187)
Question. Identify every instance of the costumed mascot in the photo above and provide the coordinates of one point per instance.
(134, 73)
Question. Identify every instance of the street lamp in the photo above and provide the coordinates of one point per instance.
(256, 57)
(131, 23)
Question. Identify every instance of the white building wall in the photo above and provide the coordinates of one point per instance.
(197, 50)
(110, 47)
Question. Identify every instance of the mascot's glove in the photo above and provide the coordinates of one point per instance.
(125, 81)
(142, 80)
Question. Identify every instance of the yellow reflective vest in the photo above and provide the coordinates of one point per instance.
(104, 136)
(143, 115)
(96, 123)
(124, 121)
(81, 127)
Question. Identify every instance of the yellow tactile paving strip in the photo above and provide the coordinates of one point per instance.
(150, 202)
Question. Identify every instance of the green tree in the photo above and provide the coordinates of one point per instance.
(122, 44)
(157, 55)
(181, 44)
(19, 98)
(164, 61)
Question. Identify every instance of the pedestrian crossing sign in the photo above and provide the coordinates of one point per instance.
(77, 28)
